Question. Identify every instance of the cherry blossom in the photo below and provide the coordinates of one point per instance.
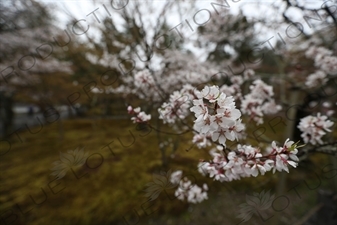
(236, 80)
(178, 105)
(317, 52)
(216, 115)
(314, 128)
(186, 190)
(181, 89)
(323, 59)
(232, 90)
(316, 79)
(176, 177)
(248, 161)
(140, 117)
(259, 101)
(143, 79)
(201, 141)
(248, 74)
(329, 65)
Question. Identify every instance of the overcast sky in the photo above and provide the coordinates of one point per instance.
(82, 9)
(79, 9)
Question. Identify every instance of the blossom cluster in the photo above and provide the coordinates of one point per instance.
(144, 80)
(248, 161)
(326, 64)
(259, 101)
(236, 82)
(323, 59)
(192, 192)
(178, 105)
(201, 140)
(139, 116)
(316, 79)
(216, 115)
(234, 89)
(218, 119)
(314, 128)
(173, 70)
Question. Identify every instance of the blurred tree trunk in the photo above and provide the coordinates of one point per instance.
(289, 133)
(6, 112)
